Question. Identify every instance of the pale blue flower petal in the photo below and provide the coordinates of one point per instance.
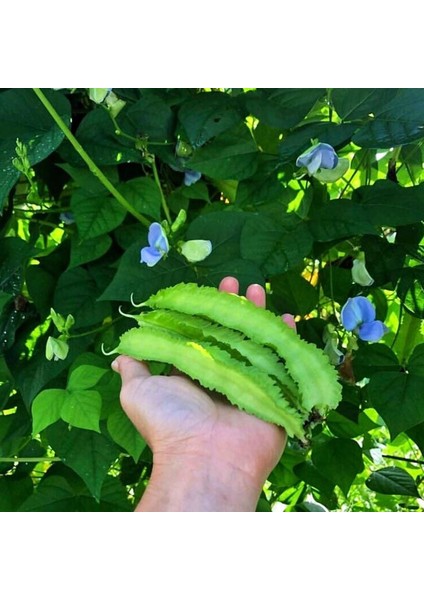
(356, 311)
(319, 156)
(191, 177)
(150, 256)
(372, 332)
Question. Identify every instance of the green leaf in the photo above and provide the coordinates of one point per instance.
(85, 377)
(387, 134)
(359, 103)
(13, 492)
(46, 408)
(96, 134)
(23, 117)
(231, 155)
(207, 115)
(398, 399)
(84, 251)
(245, 271)
(88, 453)
(388, 203)
(123, 432)
(293, 294)
(143, 281)
(339, 220)
(392, 480)
(282, 108)
(95, 215)
(81, 408)
(223, 229)
(299, 140)
(308, 473)
(149, 117)
(339, 460)
(76, 293)
(143, 194)
(14, 253)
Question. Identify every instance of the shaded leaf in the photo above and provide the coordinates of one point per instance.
(392, 480)
(88, 453)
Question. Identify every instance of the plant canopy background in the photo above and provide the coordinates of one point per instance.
(75, 212)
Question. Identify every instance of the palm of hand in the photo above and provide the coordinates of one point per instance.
(177, 417)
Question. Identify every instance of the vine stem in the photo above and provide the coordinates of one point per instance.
(411, 460)
(162, 195)
(87, 159)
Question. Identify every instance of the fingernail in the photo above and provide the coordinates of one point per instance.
(115, 365)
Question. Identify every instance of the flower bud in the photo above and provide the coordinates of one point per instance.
(56, 348)
(359, 271)
(196, 250)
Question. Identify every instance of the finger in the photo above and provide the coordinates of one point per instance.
(256, 294)
(229, 284)
(129, 368)
(289, 319)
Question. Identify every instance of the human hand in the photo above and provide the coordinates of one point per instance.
(207, 454)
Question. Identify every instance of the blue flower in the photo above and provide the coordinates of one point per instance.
(191, 177)
(358, 315)
(158, 245)
(319, 156)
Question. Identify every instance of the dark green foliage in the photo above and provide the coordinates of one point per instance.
(71, 241)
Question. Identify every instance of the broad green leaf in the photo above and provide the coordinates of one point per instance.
(96, 215)
(143, 281)
(358, 103)
(56, 493)
(46, 408)
(85, 377)
(231, 155)
(208, 114)
(88, 453)
(23, 117)
(144, 195)
(245, 271)
(293, 294)
(123, 432)
(339, 460)
(339, 220)
(387, 134)
(87, 250)
(13, 492)
(392, 480)
(398, 399)
(374, 358)
(96, 134)
(406, 106)
(308, 473)
(14, 254)
(411, 290)
(81, 408)
(282, 108)
(150, 117)
(223, 229)
(299, 140)
(77, 294)
(387, 203)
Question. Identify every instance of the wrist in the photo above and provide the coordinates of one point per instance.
(200, 483)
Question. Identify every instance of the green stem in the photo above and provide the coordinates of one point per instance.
(86, 158)
(353, 175)
(162, 195)
(31, 459)
(411, 460)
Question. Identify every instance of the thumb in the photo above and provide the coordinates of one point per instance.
(129, 369)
